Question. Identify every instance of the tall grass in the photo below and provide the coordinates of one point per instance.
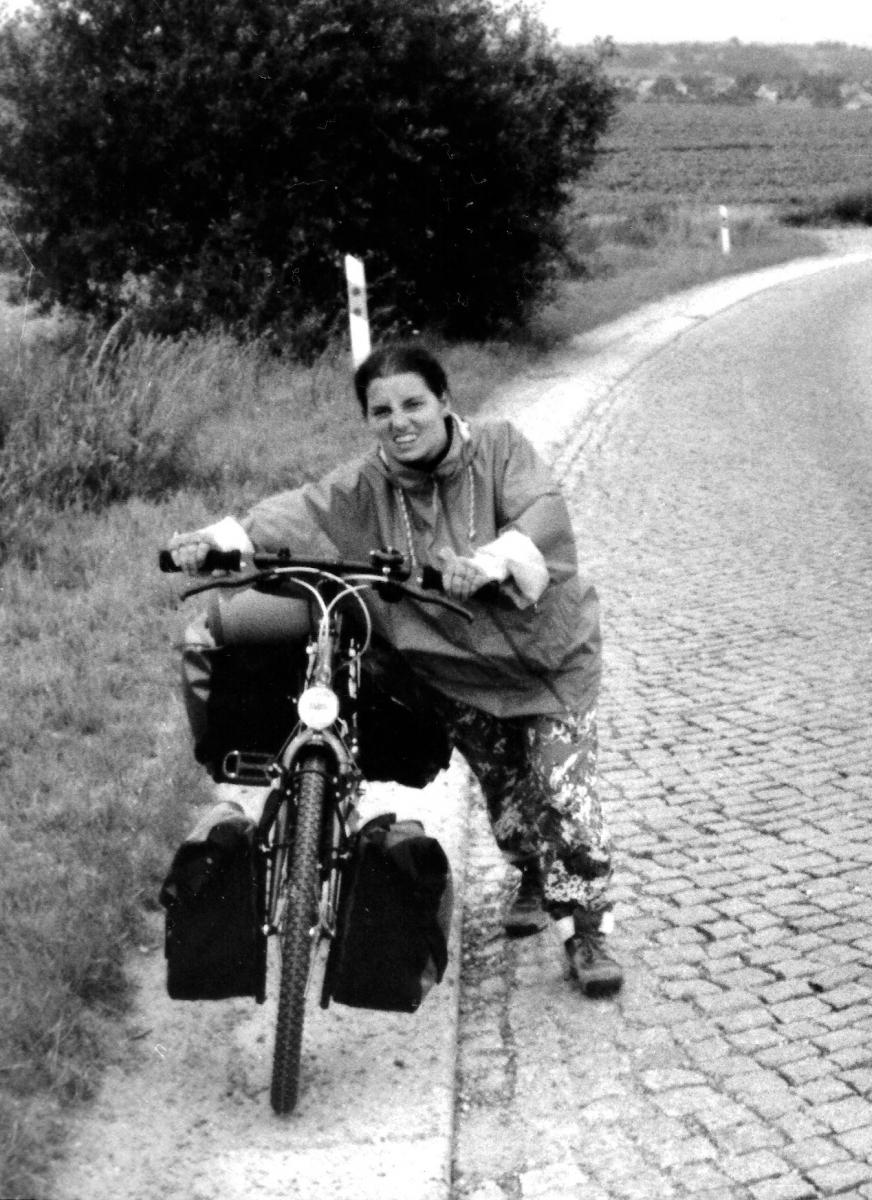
(78, 430)
(94, 781)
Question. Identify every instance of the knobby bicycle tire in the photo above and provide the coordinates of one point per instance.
(300, 916)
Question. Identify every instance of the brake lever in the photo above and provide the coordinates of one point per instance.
(237, 581)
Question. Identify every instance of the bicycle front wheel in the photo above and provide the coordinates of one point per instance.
(298, 932)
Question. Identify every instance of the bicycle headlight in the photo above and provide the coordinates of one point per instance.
(318, 706)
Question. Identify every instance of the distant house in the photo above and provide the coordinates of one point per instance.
(722, 86)
(856, 95)
(860, 99)
(767, 94)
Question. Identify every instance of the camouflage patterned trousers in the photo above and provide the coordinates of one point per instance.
(538, 775)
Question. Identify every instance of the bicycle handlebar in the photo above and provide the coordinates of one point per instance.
(388, 564)
(382, 562)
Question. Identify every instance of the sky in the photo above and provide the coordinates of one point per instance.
(580, 21)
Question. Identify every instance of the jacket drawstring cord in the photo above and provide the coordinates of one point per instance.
(407, 522)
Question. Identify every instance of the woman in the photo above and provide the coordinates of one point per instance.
(518, 686)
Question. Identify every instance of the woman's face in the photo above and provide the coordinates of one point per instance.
(406, 417)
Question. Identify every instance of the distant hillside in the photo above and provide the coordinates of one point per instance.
(827, 74)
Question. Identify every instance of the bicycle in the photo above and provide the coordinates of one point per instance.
(304, 834)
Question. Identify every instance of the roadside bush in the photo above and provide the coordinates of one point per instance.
(850, 208)
(225, 156)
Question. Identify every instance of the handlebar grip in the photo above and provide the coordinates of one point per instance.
(431, 579)
(215, 560)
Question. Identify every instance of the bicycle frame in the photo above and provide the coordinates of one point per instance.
(327, 723)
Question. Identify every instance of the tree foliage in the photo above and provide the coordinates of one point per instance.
(214, 160)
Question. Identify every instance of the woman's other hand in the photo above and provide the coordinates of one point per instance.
(461, 576)
(189, 549)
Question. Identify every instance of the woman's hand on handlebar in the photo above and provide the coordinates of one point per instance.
(189, 550)
(461, 577)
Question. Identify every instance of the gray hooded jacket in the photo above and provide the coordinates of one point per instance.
(514, 659)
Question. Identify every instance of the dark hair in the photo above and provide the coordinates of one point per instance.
(398, 359)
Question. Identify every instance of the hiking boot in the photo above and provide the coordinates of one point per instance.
(595, 971)
(526, 912)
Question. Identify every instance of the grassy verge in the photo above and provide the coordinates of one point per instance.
(619, 262)
(98, 463)
(93, 779)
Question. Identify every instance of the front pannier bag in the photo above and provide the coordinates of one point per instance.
(237, 697)
(391, 943)
(402, 739)
(215, 946)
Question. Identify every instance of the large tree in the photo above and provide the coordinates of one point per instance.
(219, 156)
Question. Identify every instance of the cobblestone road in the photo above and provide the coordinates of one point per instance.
(725, 508)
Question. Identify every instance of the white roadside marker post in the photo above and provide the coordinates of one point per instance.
(358, 320)
(725, 229)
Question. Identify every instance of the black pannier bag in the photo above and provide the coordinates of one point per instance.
(402, 739)
(238, 697)
(391, 941)
(215, 945)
